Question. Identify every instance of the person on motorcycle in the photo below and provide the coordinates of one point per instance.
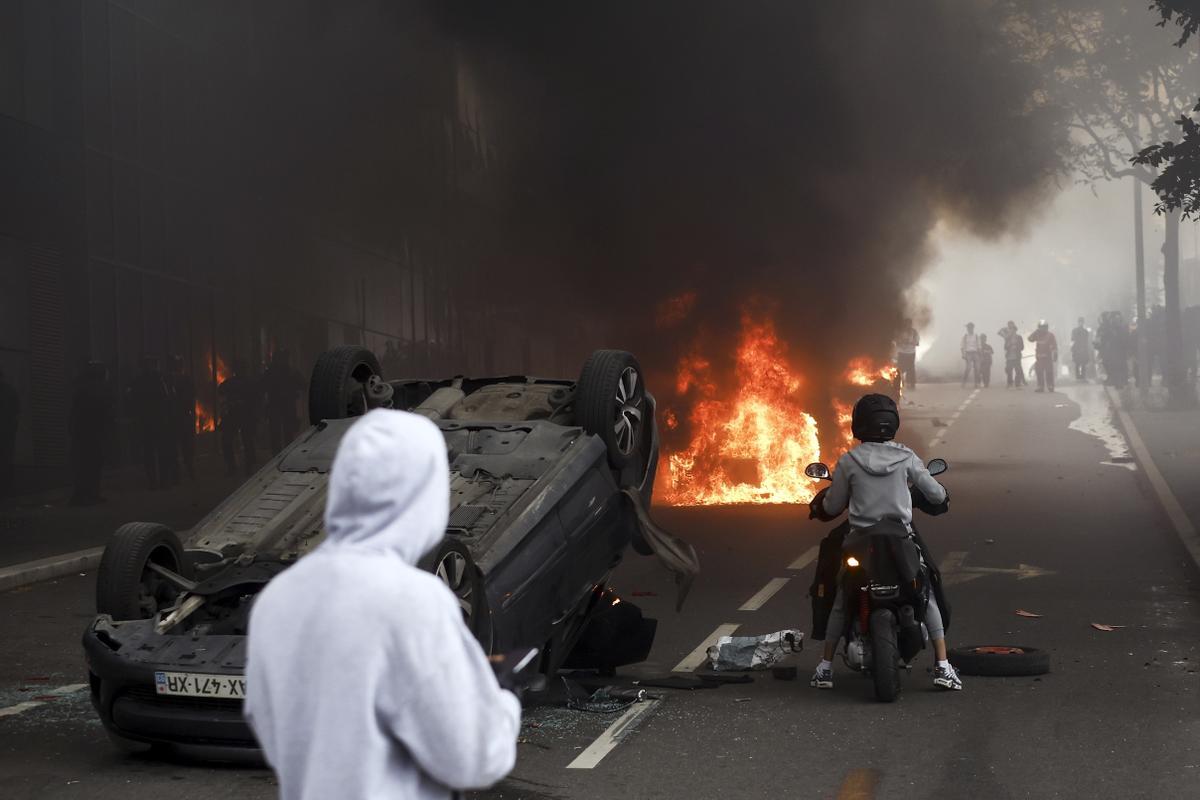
(873, 480)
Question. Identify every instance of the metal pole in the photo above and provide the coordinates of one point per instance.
(1143, 356)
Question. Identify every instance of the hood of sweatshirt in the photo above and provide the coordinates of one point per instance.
(880, 458)
(389, 487)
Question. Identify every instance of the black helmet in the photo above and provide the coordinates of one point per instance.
(875, 419)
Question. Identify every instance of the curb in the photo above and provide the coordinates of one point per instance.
(1183, 526)
(44, 569)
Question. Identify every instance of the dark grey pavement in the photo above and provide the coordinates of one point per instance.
(1118, 716)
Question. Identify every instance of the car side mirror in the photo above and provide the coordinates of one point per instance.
(818, 471)
(937, 466)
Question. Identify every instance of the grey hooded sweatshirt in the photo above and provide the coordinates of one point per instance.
(362, 679)
(873, 479)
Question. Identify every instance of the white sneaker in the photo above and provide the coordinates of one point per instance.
(947, 678)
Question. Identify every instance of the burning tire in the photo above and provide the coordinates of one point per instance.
(340, 381)
(452, 565)
(610, 402)
(1000, 660)
(126, 586)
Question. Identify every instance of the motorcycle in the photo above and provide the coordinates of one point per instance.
(886, 578)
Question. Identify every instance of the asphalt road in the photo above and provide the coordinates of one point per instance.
(1118, 716)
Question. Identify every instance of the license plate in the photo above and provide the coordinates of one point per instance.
(197, 684)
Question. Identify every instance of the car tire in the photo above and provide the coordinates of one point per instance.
(610, 402)
(335, 390)
(125, 588)
(1000, 660)
(454, 566)
(885, 655)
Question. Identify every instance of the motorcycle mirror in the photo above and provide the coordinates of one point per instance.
(937, 466)
(817, 470)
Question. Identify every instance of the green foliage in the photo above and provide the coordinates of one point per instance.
(1184, 13)
(1178, 181)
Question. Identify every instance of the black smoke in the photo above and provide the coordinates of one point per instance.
(791, 154)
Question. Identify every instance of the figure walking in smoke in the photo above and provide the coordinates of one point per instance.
(1014, 345)
(182, 418)
(985, 360)
(1046, 353)
(238, 402)
(283, 386)
(1081, 349)
(970, 355)
(149, 408)
(906, 355)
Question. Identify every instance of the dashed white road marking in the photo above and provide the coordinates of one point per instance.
(61, 691)
(764, 594)
(606, 741)
(937, 440)
(700, 654)
(806, 558)
(1179, 518)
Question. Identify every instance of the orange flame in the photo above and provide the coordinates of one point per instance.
(863, 372)
(752, 445)
(206, 421)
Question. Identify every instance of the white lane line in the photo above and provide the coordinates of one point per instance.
(806, 558)
(700, 654)
(61, 691)
(1179, 518)
(606, 741)
(937, 440)
(764, 594)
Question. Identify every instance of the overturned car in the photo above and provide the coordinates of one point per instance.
(550, 484)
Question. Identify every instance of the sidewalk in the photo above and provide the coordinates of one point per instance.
(42, 525)
(1173, 439)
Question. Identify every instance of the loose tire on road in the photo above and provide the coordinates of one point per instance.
(1000, 660)
(885, 666)
(610, 402)
(125, 588)
(335, 390)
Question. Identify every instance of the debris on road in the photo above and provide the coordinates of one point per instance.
(605, 700)
(754, 652)
(1109, 628)
(1023, 613)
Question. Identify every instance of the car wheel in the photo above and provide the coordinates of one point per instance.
(610, 402)
(339, 383)
(1000, 660)
(454, 566)
(126, 587)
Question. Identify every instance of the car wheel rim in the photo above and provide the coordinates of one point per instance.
(355, 389)
(452, 570)
(628, 423)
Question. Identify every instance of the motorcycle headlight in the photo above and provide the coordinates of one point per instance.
(851, 562)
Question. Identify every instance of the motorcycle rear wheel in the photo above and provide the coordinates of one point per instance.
(885, 669)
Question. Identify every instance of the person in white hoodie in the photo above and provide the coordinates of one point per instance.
(873, 480)
(362, 679)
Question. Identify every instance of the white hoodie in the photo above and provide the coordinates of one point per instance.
(362, 679)
(873, 479)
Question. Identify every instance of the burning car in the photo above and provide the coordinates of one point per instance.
(550, 483)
